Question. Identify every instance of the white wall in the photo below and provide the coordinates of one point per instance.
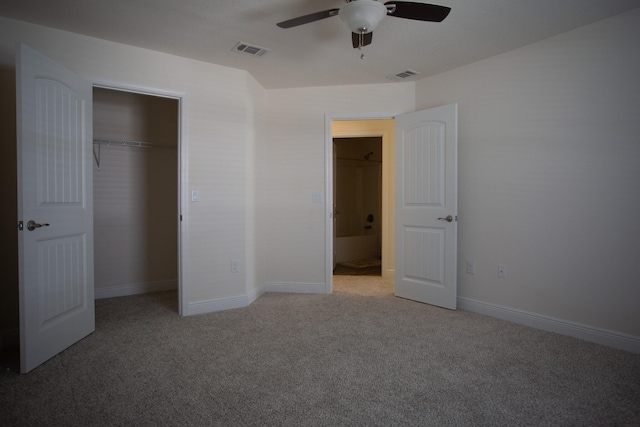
(220, 106)
(291, 238)
(256, 134)
(549, 175)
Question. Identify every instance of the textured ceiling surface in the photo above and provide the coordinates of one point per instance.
(319, 53)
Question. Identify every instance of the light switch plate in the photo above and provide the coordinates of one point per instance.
(502, 271)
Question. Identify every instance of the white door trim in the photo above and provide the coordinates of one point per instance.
(183, 184)
(328, 178)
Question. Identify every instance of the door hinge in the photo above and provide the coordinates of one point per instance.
(20, 225)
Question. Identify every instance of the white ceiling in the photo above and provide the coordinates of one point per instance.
(319, 53)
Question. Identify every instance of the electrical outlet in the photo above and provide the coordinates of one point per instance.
(471, 267)
(502, 271)
(235, 266)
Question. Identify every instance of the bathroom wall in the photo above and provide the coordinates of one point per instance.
(358, 198)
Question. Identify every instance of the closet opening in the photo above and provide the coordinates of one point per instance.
(135, 193)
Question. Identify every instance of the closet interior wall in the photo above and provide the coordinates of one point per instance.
(135, 193)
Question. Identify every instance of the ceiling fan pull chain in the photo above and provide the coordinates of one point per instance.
(361, 42)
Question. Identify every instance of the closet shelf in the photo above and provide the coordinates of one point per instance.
(122, 143)
(128, 143)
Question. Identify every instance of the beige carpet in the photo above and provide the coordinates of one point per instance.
(358, 357)
(363, 285)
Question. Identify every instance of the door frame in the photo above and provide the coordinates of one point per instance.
(329, 118)
(183, 185)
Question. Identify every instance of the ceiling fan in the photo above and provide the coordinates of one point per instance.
(362, 16)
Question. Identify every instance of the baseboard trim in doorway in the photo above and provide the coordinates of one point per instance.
(296, 288)
(221, 304)
(135, 289)
(241, 301)
(613, 339)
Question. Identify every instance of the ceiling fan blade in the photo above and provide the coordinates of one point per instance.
(312, 17)
(418, 11)
(366, 39)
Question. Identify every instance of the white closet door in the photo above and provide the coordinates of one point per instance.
(55, 206)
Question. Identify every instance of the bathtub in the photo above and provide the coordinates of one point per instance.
(357, 247)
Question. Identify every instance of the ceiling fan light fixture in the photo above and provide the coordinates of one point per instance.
(362, 16)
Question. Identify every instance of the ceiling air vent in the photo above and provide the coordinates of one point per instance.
(404, 75)
(250, 50)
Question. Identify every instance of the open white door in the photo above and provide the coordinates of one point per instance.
(55, 207)
(426, 206)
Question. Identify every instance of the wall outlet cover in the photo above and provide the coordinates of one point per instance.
(235, 266)
(471, 267)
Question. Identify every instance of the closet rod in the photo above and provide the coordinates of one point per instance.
(128, 143)
(122, 143)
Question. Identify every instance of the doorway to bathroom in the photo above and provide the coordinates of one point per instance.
(369, 151)
(358, 205)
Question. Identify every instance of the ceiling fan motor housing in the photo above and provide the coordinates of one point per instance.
(362, 16)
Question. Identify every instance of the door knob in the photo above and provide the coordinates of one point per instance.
(447, 218)
(32, 225)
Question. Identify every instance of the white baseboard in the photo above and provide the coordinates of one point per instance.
(211, 306)
(254, 294)
(135, 289)
(587, 333)
(296, 288)
(240, 301)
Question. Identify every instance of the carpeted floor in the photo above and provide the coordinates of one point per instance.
(375, 286)
(358, 357)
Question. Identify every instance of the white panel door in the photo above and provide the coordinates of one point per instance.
(55, 207)
(426, 206)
